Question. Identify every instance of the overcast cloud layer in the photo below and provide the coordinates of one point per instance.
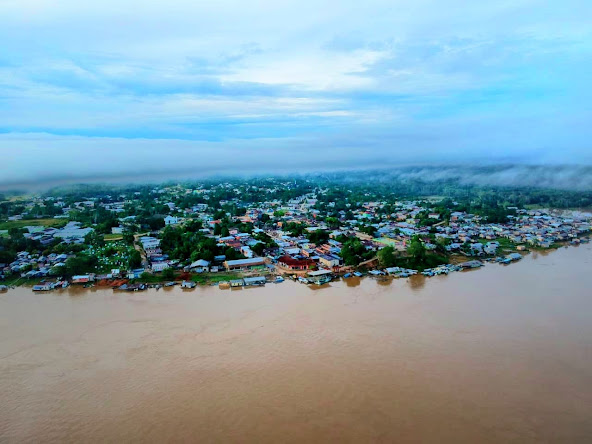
(116, 88)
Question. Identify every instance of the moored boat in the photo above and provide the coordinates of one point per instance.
(42, 287)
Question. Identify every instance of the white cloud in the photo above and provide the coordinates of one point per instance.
(404, 71)
(315, 70)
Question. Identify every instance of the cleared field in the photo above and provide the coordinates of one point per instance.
(56, 223)
(209, 278)
(113, 237)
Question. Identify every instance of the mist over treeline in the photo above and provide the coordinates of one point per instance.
(557, 187)
(406, 181)
(570, 177)
(553, 186)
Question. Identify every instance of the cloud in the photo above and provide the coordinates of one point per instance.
(380, 79)
(570, 177)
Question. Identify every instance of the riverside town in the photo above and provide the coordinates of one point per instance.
(252, 232)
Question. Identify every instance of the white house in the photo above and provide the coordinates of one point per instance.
(171, 220)
(159, 266)
(329, 261)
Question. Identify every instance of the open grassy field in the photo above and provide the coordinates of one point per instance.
(56, 223)
(504, 243)
(209, 278)
(113, 237)
(16, 280)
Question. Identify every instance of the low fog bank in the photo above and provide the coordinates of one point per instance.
(564, 177)
(560, 177)
(34, 162)
(37, 161)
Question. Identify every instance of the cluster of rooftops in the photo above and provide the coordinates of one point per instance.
(461, 232)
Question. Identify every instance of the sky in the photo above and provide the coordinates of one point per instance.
(111, 89)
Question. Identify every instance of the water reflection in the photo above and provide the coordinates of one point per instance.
(384, 281)
(353, 281)
(416, 282)
(319, 287)
(536, 254)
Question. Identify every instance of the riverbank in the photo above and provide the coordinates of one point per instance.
(458, 263)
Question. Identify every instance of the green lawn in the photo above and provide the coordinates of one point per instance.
(56, 223)
(16, 280)
(113, 237)
(504, 243)
(205, 278)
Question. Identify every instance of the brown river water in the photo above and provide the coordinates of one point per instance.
(501, 354)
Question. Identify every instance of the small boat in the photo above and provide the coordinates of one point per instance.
(42, 287)
(346, 275)
(3, 288)
(136, 287)
(357, 274)
(188, 284)
(279, 279)
(303, 280)
(170, 284)
(321, 280)
(376, 273)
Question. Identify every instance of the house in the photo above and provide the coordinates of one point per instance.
(295, 264)
(72, 232)
(149, 242)
(200, 266)
(135, 274)
(329, 261)
(83, 279)
(171, 220)
(213, 223)
(159, 266)
(246, 251)
(243, 264)
(477, 248)
(491, 247)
